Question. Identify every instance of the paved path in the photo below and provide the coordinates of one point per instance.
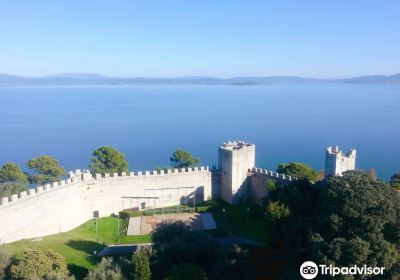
(134, 226)
(208, 221)
(122, 249)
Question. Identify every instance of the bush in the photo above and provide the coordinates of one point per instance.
(141, 264)
(107, 269)
(38, 264)
(276, 211)
(186, 271)
(5, 262)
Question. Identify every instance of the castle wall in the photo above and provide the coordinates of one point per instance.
(65, 205)
(258, 180)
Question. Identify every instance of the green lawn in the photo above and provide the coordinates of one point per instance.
(79, 245)
(237, 220)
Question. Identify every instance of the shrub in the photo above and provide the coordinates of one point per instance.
(38, 264)
(105, 270)
(5, 262)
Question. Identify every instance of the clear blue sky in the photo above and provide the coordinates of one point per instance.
(221, 38)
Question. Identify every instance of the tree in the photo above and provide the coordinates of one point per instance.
(395, 181)
(5, 262)
(7, 189)
(106, 269)
(141, 264)
(276, 211)
(108, 160)
(351, 219)
(12, 179)
(11, 173)
(47, 170)
(181, 159)
(186, 271)
(299, 170)
(175, 243)
(38, 264)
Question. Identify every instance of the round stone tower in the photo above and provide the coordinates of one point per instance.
(235, 160)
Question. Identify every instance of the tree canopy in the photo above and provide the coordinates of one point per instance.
(47, 170)
(353, 219)
(299, 170)
(395, 180)
(184, 271)
(106, 269)
(175, 244)
(12, 179)
(181, 159)
(141, 264)
(37, 264)
(108, 160)
(11, 173)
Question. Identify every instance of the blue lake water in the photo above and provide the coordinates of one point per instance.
(286, 122)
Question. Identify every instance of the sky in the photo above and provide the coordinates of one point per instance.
(170, 38)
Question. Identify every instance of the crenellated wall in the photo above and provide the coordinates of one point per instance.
(64, 205)
(258, 180)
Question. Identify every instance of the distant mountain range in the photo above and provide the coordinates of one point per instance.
(96, 79)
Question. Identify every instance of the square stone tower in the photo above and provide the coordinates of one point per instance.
(336, 162)
(235, 160)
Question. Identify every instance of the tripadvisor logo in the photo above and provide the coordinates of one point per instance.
(310, 270)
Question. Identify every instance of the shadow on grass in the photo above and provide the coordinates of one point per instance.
(89, 247)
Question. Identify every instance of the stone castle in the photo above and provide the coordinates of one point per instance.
(336, 162)
(64, 205)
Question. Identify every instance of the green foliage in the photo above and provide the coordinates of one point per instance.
(12, 179)
(299, 170)
(276, 210)
(351, 219)
(107, 269)
(5, 262)
(58, 276)
(47, 170)
(181, 158)
(38, 264)
(108, 160)
(186, 271)
(395, 181)
(11, 173)
(141, 264)
(270, 185)
(174, 243)
(7, 189)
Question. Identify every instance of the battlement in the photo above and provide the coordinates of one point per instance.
(33, 192)
(273, 174)
(336, 151)
(78, 175)
(235, 145)
(336, 162)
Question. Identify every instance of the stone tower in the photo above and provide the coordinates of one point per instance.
(336, 162)
(235, 160)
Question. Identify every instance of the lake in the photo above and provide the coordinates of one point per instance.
(293, 122)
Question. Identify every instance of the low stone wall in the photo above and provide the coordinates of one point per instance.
(64, 205)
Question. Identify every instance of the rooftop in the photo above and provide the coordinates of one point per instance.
(235, 145)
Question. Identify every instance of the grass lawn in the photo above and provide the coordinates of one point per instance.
(245, 220)
(78, 246)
